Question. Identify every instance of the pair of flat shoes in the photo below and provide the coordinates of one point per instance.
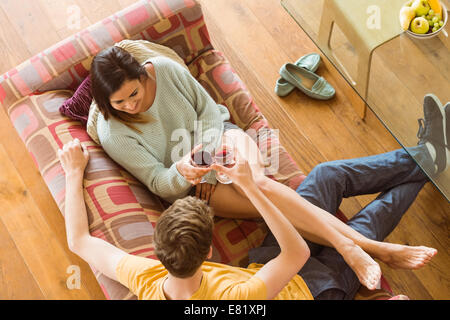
(301, 75)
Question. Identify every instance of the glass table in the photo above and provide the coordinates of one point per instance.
(389, 69)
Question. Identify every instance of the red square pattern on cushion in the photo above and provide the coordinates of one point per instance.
(64, 52)
(137, 16)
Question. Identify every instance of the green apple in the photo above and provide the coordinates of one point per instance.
(420, 25)
(421, 7)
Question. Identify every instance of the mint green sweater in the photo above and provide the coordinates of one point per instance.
(183, 114)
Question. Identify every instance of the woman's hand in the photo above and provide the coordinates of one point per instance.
(189, 172)
(73, 157)
(204, 191)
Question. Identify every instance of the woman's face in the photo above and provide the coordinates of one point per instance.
(129, 97)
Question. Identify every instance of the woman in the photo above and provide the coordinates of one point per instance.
(145, 110)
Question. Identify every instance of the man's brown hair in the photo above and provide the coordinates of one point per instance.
(183, 236)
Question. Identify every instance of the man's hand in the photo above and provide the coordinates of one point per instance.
(189, 172)
(241, 173)
(204, 191)
(73, 157)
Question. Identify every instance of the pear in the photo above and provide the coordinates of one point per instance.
(406, 16)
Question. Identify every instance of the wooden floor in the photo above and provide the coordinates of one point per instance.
(257, 37)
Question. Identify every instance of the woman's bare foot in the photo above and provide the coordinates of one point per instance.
(405, 257)
(366, 269)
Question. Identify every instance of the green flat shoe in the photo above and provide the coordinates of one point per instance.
(310, 62)
(308, 82)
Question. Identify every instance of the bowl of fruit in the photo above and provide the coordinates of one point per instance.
(423, 19)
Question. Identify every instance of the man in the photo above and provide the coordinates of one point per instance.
(183, 237)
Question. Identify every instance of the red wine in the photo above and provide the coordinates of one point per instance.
(202, 158)
(225, 158)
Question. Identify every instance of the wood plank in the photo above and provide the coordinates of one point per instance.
(13, 49)
(97, 10)
(14, 272)
(66, 16)
(407, 283)
(31, 22)
(126, 3)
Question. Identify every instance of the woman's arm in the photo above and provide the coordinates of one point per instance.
(137, 160)
(169, 183)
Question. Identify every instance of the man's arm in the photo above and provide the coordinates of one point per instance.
(294, 251)
(100, 254)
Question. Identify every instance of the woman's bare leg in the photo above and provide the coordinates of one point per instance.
(308, 223)
(227, 202)
(287, 204)
(314, 224)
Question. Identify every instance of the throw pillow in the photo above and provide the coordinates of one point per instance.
(77, 106)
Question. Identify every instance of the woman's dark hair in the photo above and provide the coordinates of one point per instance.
(109, 70)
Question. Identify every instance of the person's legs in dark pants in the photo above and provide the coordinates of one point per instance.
(394, 174)
(329, 182)
(326, 273)
(376, 221)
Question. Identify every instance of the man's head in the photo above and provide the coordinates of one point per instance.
(183, 236)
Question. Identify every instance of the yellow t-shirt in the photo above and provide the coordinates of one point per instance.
(145, 278)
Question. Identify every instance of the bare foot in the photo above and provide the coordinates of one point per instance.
(366, 269)
(406, 257)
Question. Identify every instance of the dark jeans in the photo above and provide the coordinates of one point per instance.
(394, 174)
